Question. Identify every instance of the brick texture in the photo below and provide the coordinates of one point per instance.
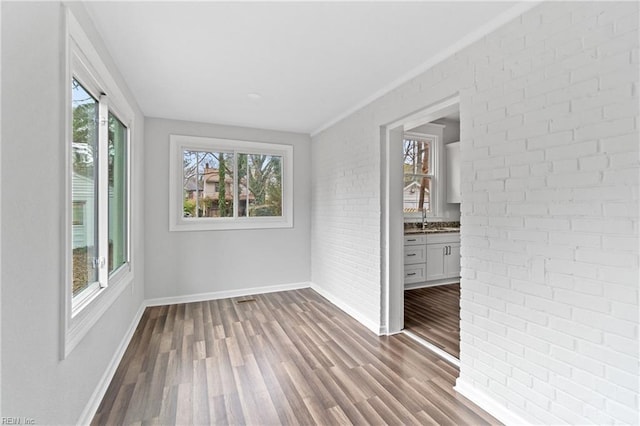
(550, 190)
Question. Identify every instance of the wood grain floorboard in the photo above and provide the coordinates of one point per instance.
(289, 358)
(433, 313)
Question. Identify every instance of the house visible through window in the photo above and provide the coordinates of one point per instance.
(418, 151)
(231, 184)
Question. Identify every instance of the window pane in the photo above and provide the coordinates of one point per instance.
(260, 185)
(416, 194)
(207, 184)
(417, 157)
(84, 146)
(117, 151)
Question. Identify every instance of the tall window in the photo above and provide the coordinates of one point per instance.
(419, 176)
(99, 182)
(100, 121)
(224, 184)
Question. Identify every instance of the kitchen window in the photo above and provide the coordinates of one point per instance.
(419, 152)
(98, 220)
(221, 184)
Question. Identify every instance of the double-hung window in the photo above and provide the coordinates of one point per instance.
(99, 122)
(419, 173)
(229, 184)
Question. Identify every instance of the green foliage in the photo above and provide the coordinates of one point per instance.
(189, 206)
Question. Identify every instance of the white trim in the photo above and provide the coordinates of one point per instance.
(376, 328)
(433, 348)
(98, 394)
(488, 404)
(469, 39)
(435, 283)
(225, 294)
(81, 57)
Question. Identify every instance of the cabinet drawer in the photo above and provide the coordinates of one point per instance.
(415, 254)
(414, 273)
(415, 240)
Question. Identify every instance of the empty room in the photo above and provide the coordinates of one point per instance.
(264, 213)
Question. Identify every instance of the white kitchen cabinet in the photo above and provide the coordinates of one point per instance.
(453, 172)
(415, 254)
(443, 261)
(431, 259)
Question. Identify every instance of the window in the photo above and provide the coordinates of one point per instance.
(419, 173)
(229, 184)
(99, 123)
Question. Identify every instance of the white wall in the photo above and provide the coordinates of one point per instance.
(35, 382)
(549, 115)
(191, 263)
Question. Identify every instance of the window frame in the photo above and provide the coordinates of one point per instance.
(434, 157)
(82, 63)
(178, 144)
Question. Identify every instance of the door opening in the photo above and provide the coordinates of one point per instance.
(429, 181)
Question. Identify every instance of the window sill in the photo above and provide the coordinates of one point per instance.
(217, 224)
(86, 315)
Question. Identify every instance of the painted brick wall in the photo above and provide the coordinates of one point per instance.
(550, 246)
(550, 147)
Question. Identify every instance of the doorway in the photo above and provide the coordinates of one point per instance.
(393, 231)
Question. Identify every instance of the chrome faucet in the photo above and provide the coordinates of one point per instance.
(424, 219)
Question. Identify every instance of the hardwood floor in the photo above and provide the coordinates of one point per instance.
(433, 313)
(280, 358)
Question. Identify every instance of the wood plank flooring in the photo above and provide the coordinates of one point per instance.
(288, 358)
(433, 313)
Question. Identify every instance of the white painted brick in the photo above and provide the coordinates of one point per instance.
(596, 162)
(605, 322)
(606, 257)
(575, 239)
(549, 140)
(584, 301)
(572, 180)
(545, 360)
(565, 166)
(572, 151)
(576, 120)
(555, 308)
(623, 143)
(528, 130)
(576, 209)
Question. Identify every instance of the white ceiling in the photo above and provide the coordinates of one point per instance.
(310, 62)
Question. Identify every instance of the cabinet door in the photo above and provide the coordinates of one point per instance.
(436, 261)
(452, 261)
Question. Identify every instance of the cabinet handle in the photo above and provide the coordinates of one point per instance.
(411, 273)
(411, 254)
(413, 239)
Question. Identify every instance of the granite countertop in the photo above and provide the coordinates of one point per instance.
(432, 228)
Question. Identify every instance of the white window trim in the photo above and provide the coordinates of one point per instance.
(434, 196)
(81, 313)
(179, 143)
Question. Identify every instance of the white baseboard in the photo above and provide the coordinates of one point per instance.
(488, 404)
(436, 283)
(96, 398)
(349, 310)
(200, 297)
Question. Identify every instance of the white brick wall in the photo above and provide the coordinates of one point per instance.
(550, 189)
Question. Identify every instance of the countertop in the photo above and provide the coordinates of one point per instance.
(431, 228)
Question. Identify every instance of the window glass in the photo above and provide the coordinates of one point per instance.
(84, 186)
(260, 185)
(208, 184)
(418, 175)
(117, 160)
